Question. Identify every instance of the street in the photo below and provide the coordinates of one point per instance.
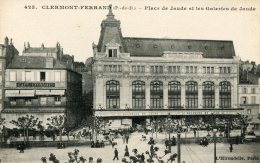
(190, 153)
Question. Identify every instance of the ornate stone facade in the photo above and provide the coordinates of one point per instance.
(157, 76)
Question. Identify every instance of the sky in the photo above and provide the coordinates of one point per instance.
(77, 29)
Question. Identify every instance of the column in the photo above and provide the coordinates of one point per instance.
(217, 96)
(234, 92)
(147, 94)
(183, 94)
(200, 94)
(165, 95)
(130, 94)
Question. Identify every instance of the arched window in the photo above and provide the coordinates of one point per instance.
(208, 90)
(174, 94)
(156, 94)
(191, 94)
(112, 94)
(138, 94)
(224, 94)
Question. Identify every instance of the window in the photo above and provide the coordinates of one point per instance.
(187, 69)
(43, 100)
(138, 94)
(113, 68)
(208, 94)
(174, 94)
(157, 69)
(12, 76)
(208, 70)
(42, 76)
(253, 90)
(57, 100)
(1, 66)
(138, 68)
(212, 70)
(174, 69)
(204, 70)
(156, 93)
(1, 80)
(244, 90)
(112, 94)
(191, 69)
(119, 68)
(225, 94)
(0, 93)
(243, 100)
(112, 53)
(28, 76)
(191, 94)
(248, 111)
(57, 76)
(225, 70)
(253, 99)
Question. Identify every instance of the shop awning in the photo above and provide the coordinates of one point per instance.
(19, 93)
(57, 92)
(12, 93)
(50, 92)
(42, 92)
(27, 93)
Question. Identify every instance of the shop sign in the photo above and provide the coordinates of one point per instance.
(35, 84)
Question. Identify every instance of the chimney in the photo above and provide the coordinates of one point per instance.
(42, 46)
(28, 44)
(6, 41)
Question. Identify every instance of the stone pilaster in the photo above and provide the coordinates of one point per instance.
(217, 96)
(200, 94)
(165, 95)
(147, 95)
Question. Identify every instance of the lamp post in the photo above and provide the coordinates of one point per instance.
(215, 148)
(169, 129)
(179, 145)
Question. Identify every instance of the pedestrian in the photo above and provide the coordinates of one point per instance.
(151, 150)
(127, 138)
(116, 154)
(126, 151)
(8, 142)
(123, 138)
(231, 147)
(194, 131)
(237, 140)
(142, 158)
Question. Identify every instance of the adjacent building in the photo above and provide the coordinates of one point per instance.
(138, 79)
(7, 52)
(42, 82)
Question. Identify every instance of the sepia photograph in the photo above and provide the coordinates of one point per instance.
(148, 81)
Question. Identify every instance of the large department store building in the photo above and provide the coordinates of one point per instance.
(137, 79)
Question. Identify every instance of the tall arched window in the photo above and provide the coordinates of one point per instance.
(112, 94)
(138, 94)
(174, 94)
(156, 94)
(208, 91)
(191, 94)
(224, 94)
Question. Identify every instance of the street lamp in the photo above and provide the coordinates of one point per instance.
(214, 139)
(179, 145)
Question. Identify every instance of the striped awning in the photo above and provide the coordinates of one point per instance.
(50, 92)
(19, 93)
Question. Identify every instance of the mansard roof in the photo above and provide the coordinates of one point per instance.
(154, 47)
(34, 62)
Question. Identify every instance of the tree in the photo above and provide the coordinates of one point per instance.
(57, 122)
(2, 122)
(98, 124)
(26, 122)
